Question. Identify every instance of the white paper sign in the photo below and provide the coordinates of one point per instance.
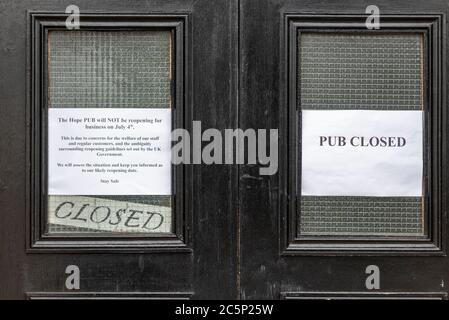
(108, 215)
(362, 153)
(109, 151)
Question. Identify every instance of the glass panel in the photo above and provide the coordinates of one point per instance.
(94, 70)
(98, 69)
(343, 71)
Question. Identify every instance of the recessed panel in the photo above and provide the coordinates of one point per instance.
(109, 124)
(362, 128)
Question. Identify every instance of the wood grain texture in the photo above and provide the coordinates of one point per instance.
(201, 257)
(267, 228)
(236, 76)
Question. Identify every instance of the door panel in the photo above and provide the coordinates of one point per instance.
(157, 54)
(305, 58)
(343, 71)
(98, 185)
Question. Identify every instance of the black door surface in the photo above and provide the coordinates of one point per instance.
(356, 207)
(304, 65)
(131, 60)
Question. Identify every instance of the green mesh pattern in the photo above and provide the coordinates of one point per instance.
(371, 72)
(361, 215)
(121, 69)
(109, 69)
(343, 71)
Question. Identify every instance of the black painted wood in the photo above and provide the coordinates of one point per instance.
(275, 260)
(41, 24)
(430, 27)
(199, 259)
(232, 238)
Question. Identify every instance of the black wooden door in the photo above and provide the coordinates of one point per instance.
(224, 231)
(170, 55)
(300, 57)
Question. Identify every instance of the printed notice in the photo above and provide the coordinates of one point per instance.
(362, 153)
(109, 151)
(108, 215)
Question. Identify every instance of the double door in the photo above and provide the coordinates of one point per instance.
(124, 173)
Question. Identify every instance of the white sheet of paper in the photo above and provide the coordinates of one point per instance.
(108, 215)
(352, 170)
(109, 151)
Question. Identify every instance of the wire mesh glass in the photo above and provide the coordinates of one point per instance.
(347, 71)
(109, 69)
